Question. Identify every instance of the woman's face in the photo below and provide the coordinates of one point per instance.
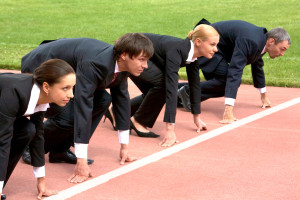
(206, 48)
(61, 93)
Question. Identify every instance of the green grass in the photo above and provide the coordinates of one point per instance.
(25, 23)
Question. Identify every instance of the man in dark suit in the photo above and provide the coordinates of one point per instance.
(98, 66)
(241, 43)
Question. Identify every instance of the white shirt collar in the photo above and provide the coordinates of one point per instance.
(191, 53)
(34, 97)
(117, 68)
(264, 50)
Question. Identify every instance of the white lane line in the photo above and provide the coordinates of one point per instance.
(72, 191)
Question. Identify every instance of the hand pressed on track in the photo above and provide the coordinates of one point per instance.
(42, 189)
(201, 126)
(265, 100)
(124, 155)
(228, 115)
(170, 137)
(81, 172)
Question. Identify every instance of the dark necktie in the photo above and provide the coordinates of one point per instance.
(114, 77)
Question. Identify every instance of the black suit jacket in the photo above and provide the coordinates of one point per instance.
(171, 53)
(15, 91)
(241, 43)
(94, 65)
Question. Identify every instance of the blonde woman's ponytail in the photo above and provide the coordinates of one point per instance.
(202, 31)
(190, 34)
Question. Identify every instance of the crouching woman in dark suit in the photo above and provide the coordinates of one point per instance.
(159, 82)
(24, 99)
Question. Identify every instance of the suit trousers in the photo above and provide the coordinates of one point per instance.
(146, 107)
(24, 132)
(215, 83)
(59, 126)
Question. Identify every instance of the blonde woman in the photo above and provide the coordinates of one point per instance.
(159, 82)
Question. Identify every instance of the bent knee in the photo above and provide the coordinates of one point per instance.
(102, 99)
(29, 131)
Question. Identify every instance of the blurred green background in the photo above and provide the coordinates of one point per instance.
(25, 23)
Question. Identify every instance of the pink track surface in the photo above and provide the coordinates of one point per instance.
(257, 160)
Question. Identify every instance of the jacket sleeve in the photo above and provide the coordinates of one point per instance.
(36, 146)
(87, 78)
(258, 74)
(9, 106)
(121, 104)
(192, 71)
(243, 48)
(6, 134)
(173, 61)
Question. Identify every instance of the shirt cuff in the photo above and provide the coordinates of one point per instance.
(39, 172)
(1, 186)
(262, 90)
(81, 150)
(229, 101)
(123, 136)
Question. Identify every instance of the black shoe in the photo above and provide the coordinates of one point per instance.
(3, 196)
(26, 156)
(143, 134)
(67, 156)
(185, 98)
(109, 116)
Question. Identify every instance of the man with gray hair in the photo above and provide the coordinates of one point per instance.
(241, 43)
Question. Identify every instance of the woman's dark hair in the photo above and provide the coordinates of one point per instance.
(133, 44)
(51, 71)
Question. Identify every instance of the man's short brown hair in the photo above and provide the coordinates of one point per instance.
(134, 44)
